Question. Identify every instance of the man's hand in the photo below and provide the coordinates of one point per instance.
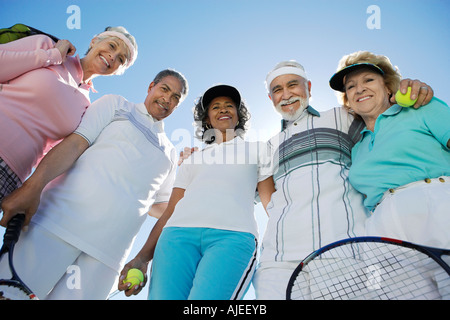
(419, 90)
(186, 153)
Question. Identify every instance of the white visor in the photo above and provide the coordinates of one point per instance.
(284, 70)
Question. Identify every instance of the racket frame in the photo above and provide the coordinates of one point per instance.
(9, 240)
(434, 253)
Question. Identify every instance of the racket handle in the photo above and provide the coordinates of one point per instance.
(13, 230)
(37, 31)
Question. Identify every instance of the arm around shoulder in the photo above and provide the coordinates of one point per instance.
(437, 117)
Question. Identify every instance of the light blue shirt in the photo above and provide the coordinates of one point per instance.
(407, 145)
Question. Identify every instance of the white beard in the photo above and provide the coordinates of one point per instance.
(292, 114)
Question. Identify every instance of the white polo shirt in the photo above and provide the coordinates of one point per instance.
(100, 204)
(220, 184)
(314, 203)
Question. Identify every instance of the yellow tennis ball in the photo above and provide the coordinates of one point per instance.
(405, 100)
(134, 276)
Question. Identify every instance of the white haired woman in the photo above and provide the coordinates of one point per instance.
(44, 92)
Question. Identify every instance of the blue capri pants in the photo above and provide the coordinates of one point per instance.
(202, 264)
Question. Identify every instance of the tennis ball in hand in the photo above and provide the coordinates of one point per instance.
(134, 276)
(404, 100)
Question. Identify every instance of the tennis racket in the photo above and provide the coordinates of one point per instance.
(19, 31)
(372, 268)
(14, 288)
(37, 31)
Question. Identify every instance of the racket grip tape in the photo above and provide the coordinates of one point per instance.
(13, 229)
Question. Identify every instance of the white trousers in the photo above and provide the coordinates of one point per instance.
(271, 279)
(419, 213)
(55, 270)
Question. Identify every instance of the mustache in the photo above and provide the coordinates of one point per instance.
(162, 103)
(282, 103)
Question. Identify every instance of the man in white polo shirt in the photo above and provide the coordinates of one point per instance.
(314, 203)
(102, 181)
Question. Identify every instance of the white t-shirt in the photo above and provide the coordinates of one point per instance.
(100, 204)
(220, 184)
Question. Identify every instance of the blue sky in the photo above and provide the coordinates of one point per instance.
(238, 42)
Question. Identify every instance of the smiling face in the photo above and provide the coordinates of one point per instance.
(290, 95)
(223, 115)
(105, 56)
(163, 97)
(367, 94)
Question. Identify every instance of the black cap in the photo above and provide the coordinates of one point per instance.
(337, 80)
(221, 91)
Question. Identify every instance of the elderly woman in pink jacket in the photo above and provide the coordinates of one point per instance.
(44, 92)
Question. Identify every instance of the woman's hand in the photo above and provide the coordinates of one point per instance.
(138, 264)
(66, 48)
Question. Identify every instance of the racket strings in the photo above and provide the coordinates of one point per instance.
(14, 288)
(11, 291)
(371, 271)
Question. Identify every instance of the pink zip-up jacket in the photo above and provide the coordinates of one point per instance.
(42, 100)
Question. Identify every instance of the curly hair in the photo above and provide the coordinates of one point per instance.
(208, 135)
(391, 75)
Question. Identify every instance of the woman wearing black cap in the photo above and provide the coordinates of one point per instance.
(207, 249)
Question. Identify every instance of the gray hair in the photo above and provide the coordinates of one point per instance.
(123, 31)
(176, 74)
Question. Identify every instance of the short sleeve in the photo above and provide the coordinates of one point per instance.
(436, 115)
(165, 190)
(183, 179)
(265, 161)
(97, 117)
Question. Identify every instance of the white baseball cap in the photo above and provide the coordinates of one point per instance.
(285, 67)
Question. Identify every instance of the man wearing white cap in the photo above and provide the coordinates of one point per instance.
(314, 203)
(114, 168)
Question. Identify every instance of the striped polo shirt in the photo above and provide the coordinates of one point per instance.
(314, 203)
